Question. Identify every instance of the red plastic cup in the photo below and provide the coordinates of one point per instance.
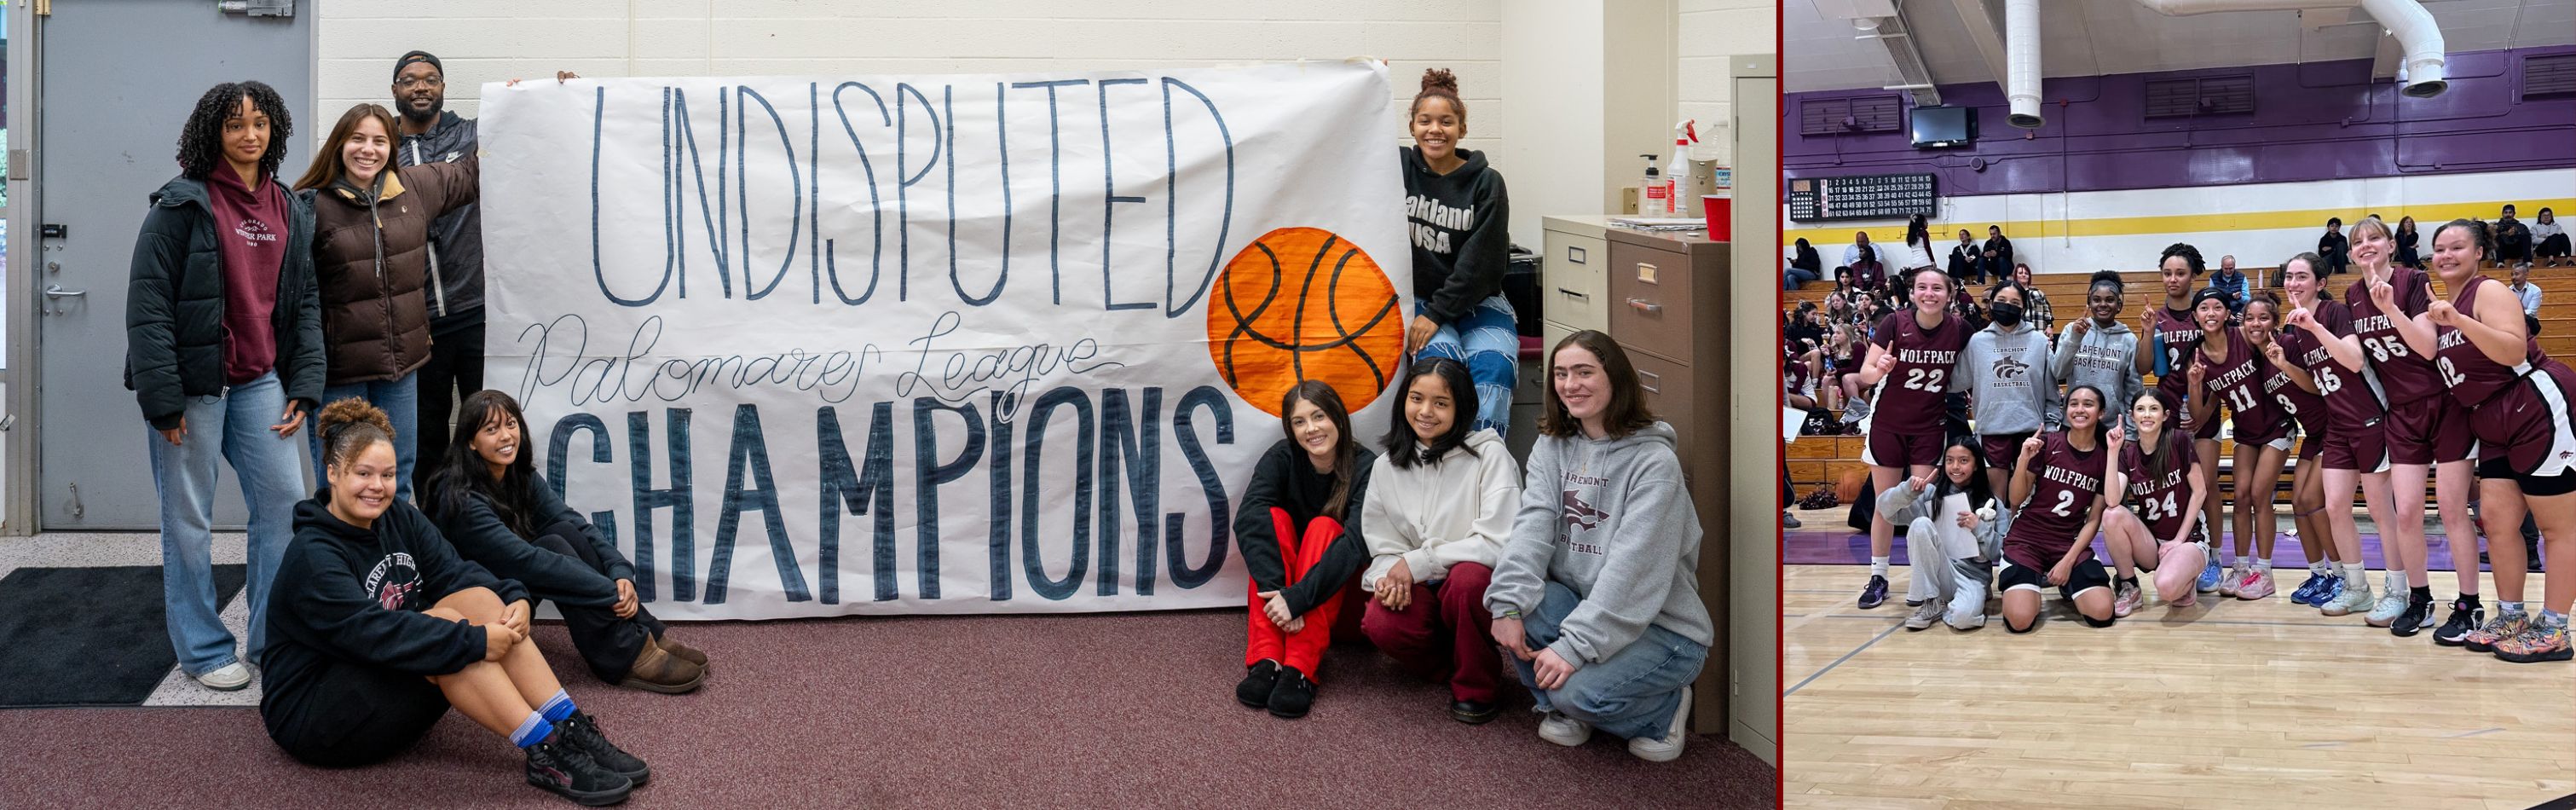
(1721, 215)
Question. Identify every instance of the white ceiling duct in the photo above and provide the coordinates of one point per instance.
(2021, 61)
(2421, 73)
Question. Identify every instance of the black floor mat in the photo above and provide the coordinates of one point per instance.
(88, 636)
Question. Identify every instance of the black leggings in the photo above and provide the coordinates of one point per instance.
(2555, 245)
(607, 643)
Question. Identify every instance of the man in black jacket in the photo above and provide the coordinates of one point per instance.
(430, 134)
(1999, 251)
(2331, 246)
(224, 355)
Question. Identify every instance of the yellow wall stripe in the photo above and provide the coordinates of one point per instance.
(2426, 216)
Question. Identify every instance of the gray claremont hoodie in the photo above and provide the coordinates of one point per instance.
(2107, 358)
(1609, 519)
(2013, 378)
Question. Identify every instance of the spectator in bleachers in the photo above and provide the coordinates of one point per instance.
(2407, 253)
(2038, 310)
(1838, 308)
(1866, 274)
(1999, 251)
(2525, 290)
(1804, 266)
(1968, 260)
(2548, 241)
(1918, 246)
(2331, 246)
(2513, 239)
(1858, 249)
(2230, 281)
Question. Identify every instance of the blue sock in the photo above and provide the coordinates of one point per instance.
(531, 731)
(557, 708)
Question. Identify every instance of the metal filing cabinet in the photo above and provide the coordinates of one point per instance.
(1666, 294)
(1572, 281)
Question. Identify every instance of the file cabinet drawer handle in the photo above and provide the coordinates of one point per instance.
(1575, 295)
(1645, 307)
(1647, 380)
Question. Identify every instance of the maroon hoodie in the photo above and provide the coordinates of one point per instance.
(251, 228)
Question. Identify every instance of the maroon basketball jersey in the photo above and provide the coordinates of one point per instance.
(1909, 397)
(2181, 336)
(2237, 381)
(2470, 375)
(1793, 377)
(2068, 482)
(2352, 397)
(2308, 408)
(2404, 376)
(2159, 499)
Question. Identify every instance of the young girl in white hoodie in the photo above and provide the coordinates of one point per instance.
(1597, 593)
(1445, 497)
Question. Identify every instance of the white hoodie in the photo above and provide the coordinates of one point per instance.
(1453, 510)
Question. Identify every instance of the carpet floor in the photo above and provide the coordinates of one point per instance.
(1120, 710)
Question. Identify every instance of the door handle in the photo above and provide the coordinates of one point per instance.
(57, 291)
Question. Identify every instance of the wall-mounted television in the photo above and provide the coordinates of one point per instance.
(1944, 127)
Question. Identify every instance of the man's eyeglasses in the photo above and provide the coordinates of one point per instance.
(423, 81)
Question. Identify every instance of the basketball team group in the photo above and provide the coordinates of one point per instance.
(2373, 392)
(348, 306)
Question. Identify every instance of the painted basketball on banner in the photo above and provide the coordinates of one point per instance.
(1304, 304)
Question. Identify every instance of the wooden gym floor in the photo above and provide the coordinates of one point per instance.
(2223, 705)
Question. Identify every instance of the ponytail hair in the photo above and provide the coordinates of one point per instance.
(350, 426)
(2119, 286)
(2480, 234)
(1439, 83)
(2102, 418)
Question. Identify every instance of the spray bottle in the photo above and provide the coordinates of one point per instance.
(1685, 134)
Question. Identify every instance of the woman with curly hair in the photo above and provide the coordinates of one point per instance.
(224, 352)
(1458, 214)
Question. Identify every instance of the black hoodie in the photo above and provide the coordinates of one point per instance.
(356, 596)
(1284, 478)
(1460, 226)
(470, 522)
(455, 238)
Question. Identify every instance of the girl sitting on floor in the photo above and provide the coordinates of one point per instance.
(490, 503)
(1445, 497)
(1597, 593)
(2058, 484)
(1298, 530)
(378, 628)
(1954, 533)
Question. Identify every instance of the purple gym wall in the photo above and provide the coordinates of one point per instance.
(2317, 121)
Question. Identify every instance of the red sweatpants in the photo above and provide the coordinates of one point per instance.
(1300, 551)
(1444, 634)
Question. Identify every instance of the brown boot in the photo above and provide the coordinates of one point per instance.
(684, 651)
(658, 671)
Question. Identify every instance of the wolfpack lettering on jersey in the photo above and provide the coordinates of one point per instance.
(1909, 398)
(2234, 379)
(2308, 408)
(2352, 397)
(2404, 376)
(2467, 373)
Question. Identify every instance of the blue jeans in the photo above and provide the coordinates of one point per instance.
(400, 400)
(1633, 694)
(232, 426)
(1794, 276)
(1489, 343)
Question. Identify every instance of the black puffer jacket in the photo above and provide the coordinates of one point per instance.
(174, 306)
(456, 238)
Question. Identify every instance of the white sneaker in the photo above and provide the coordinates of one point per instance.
(1669, 747)
(2392, 603)
(229, 677)
(1924, 615)
(1558, 728)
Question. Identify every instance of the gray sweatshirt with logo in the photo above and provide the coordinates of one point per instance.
(2106, 358)
(2011, 378)
(1610, 520)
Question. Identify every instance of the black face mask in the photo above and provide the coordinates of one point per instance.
(2005, 312)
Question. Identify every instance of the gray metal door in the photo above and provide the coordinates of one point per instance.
(118, 82)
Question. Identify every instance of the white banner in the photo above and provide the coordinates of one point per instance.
(936, 344)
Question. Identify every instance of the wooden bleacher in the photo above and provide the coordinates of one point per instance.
(1817, 460)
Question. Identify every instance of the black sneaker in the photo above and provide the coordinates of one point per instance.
(2465, 617)
(1875, 593)
(1474, 712)
(582, 731)
(1254, 691)
(1293, 695)
(562, 769)
(2418, 616)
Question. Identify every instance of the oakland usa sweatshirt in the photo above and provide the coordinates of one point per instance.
(356, 595)
(1441, 513)
(1459, 223)
(1609, 519)
(2011, 377)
